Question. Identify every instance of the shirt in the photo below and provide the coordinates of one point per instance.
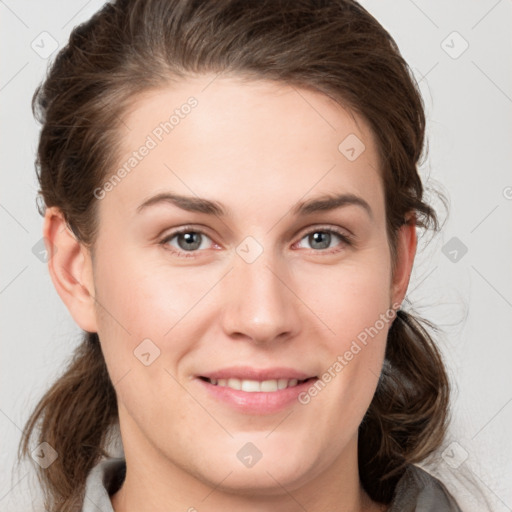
(416, 491)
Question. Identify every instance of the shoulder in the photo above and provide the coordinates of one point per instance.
(104, 480)
(418, 491)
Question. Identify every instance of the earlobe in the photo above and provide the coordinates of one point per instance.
(70, 267)
(405, 254)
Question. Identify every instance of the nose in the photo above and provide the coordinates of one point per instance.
(260, 304)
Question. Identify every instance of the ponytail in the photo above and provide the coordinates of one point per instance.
(74, 417)
(408, 416)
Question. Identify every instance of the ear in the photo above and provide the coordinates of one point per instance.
(70, 267)
(405, 254)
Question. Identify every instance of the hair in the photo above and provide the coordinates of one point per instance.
(334, 47)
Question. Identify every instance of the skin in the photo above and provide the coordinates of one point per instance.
(258, 148)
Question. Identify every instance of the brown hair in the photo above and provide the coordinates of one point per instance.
(332, 46)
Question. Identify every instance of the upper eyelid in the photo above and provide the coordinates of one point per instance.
(325, 227)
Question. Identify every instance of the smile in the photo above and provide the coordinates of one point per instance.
(256, 386)
(259, 391)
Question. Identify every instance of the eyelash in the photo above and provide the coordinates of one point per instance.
(344, 237)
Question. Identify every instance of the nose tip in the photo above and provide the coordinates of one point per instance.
(259, 305)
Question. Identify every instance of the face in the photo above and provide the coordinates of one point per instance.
(243, 316)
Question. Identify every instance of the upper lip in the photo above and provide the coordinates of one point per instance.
(260, 374)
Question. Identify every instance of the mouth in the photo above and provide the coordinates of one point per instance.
(256, 391)
(257, 386)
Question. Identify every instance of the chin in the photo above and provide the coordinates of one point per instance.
(251, 471)
(262, 481)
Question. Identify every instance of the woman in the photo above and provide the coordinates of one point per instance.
(231, 203)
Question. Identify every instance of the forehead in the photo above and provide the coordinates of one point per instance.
(245, 143)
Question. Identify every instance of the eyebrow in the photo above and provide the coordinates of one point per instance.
(304, 208)
(189, 203)
(330, 202)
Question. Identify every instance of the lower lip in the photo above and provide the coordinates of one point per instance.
(259, 402)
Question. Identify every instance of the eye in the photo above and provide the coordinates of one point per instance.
(186, 240)
(190, 240)
(322, 239)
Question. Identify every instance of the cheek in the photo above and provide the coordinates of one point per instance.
(350, 296)
(140, 297)
(127, 303)
(140, 300)
(354, 304)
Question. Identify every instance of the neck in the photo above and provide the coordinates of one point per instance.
(154, 483)
(144, 497)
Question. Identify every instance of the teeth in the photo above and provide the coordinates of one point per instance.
(234, 383)
(253, 386)
(282, 383)
(269, 385)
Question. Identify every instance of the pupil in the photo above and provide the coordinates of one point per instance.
(191, 240)
(321, 238)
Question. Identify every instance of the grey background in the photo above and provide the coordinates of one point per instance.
(468, 98)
